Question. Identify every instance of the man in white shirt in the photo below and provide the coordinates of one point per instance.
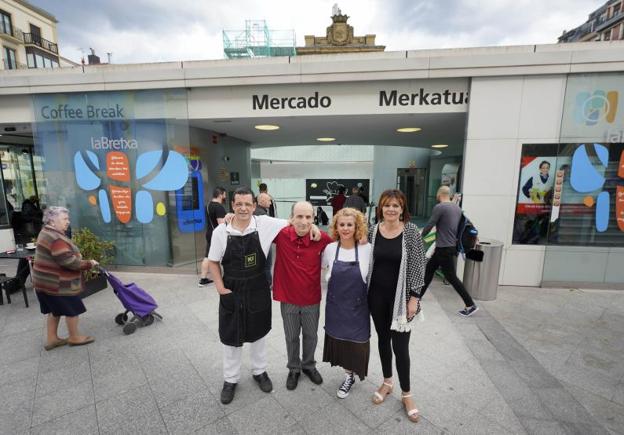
(241, 247)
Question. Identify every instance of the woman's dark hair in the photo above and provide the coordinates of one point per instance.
(386, 196)
(544, 161)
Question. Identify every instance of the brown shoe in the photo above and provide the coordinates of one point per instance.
(59, 343)
(87, 340)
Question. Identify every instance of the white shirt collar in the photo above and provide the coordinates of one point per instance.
(250, 228)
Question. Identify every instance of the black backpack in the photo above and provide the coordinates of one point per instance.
(467, 235)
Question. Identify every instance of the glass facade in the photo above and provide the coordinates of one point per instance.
(122, 163)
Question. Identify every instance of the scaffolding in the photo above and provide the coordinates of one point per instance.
(257, 40)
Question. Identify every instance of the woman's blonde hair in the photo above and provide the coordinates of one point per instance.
(361, 229)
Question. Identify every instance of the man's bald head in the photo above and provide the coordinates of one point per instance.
(302, 217)
(264, 200)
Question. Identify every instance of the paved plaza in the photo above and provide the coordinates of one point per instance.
(536, 361)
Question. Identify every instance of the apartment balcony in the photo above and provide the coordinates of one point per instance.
(13, 35)
(605, 23)
(38, 41)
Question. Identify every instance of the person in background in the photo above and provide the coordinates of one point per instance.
(57, 279)
(355, 200)
(539, 187)
(215, 212)
(262, 209)
(395, 278)
(262, 187)
(445, 216)
(347, 321)
(337, 202)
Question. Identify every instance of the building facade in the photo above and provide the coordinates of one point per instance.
(28, 36)
(532, 136)
(604, 24)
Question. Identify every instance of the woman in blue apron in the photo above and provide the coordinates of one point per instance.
(347, 321)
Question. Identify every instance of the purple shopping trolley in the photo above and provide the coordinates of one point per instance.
(136, 301)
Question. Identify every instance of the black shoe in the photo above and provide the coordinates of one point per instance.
(227, 393)
(203, 282)
(292, 380)
(468, 311)
(264, 382)
(314, 376)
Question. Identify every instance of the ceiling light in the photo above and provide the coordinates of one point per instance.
(325, 139)
(266, 127)
(440, 145)
(408, 129)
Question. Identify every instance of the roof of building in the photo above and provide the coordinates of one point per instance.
(38, 10)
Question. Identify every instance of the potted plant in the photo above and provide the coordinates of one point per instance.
(93, 248)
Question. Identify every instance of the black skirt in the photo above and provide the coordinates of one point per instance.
(347, 354)
(69, 306)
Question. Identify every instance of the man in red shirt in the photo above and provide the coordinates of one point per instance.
(337, 202)
(297, 285)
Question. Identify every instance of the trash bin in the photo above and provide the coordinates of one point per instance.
(481, 277)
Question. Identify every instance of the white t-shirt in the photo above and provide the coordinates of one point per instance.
(267, 227)
(364, 252)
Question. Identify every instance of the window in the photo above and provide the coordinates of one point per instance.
(5, 23)
(31, 60)
(570, 194)
(606, 36)
(39, 60)
(9, 58)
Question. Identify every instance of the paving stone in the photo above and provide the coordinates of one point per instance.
(191, 413)
(334, 420)
(60, 379)
(266, 416)
(16, 393)
(174, 386)
(62, 401)
(110, 383)
(305, 399)
(222, 426)
(610, 414)
(81, 422)
(131, 412)
(25, 369)
(16, 418)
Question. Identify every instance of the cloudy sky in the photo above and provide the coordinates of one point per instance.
(164, 30)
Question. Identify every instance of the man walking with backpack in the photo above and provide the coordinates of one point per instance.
(446, 217)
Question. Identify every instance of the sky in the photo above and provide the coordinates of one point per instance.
(138, 31)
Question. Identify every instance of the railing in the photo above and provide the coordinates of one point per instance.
(35, 39)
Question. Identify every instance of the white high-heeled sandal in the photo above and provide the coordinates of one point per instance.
(378, 398)
(412, 414)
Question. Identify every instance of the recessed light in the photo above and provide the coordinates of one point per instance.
(266, 127)
(408, 129)
(440, 145)
(325, 139)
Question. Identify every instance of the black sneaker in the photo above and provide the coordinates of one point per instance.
(203, 282)
(345, 388)
(264, 382)
(227, 393)
(292, 380)
(314, 375)
(468, 311)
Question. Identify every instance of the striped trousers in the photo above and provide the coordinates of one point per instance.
(297, 320)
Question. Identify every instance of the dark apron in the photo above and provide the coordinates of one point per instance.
(244, 314)
(346, 309)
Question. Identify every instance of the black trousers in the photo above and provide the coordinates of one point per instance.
(443, 258)
(381, 305)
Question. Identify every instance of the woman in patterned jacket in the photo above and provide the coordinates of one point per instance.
(395, 278)
(57, 278)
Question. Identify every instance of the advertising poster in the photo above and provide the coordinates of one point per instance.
(536, 187)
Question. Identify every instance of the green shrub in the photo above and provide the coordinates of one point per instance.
(93, 248)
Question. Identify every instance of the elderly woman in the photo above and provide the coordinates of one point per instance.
(57, 278)
(347, 320)
(395, 279)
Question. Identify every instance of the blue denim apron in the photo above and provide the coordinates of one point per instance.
(346, 309)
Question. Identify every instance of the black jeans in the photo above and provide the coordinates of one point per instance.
(443, 258)
(388, 340)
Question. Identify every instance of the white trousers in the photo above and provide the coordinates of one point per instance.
(232, 359)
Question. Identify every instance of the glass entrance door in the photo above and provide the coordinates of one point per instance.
(413, 183)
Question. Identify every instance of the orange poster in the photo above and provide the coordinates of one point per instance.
(619, 207)
(121, 198)
(117, 166)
